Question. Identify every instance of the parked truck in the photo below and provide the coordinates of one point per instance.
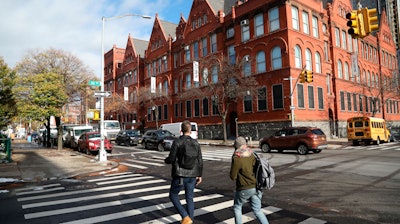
(111, 129)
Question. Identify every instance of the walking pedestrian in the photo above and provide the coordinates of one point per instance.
(242, 171)
(187, 168)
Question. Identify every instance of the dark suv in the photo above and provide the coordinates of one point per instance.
(302, 139)
(158, 139)
(129, 137)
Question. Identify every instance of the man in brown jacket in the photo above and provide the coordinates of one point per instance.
(242, 171)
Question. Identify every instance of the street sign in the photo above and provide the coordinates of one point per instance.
(103, 94)
(94, 83)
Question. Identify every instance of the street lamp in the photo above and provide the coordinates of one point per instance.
(102, 152)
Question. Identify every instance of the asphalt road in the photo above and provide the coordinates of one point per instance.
(345, 185)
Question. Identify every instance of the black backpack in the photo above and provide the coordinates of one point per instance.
(188, 153)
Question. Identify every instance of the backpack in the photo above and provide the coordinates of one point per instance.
(189, 154)
(264, 172)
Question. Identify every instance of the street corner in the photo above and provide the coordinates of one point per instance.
(109, 167)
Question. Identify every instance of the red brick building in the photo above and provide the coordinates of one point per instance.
(273, 41)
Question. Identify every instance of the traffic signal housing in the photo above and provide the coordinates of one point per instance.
(353, 23)
(302, 77)
(309, 76)
(370, 20)
(356, 24)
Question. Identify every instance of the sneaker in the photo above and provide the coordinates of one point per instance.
(187, 220)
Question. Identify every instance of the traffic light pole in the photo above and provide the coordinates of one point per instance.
(292, 88)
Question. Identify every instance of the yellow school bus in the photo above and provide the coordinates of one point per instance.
(367, 130)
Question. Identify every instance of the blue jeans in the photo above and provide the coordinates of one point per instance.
(254, 197)
(187, 183)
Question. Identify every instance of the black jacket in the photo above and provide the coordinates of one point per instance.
(176, 153)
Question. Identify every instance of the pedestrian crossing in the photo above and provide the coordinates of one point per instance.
(382, 147)
(128, 198)
(139, 161)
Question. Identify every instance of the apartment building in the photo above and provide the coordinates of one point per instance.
(185, 70)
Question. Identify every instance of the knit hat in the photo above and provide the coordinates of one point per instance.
(239, 142)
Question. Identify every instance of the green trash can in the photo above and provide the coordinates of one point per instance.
(6, 145)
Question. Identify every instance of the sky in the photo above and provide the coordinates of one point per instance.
(75, 26)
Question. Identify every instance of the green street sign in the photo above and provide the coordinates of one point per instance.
(94, 83)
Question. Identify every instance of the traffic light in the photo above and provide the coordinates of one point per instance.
(309, 76)
(370, 20)
(302, 77)
(96, 115)
(352, 22)
(356, 24)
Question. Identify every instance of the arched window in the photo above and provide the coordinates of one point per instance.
(276, 58)
(135, 96)
(188, 81)
(340, 69)
(346, 71)
(364, 77)
(308, 60)
(246, 66)
(205, 76)
(297, 57)
(317, 58)
(214, 74)
(260, 58)
(166, 88)
(373, 84)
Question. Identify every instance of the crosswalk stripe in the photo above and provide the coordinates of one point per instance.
(36, 187)
(134, 212)
(312, 221)
(197, 212)
(114, 177)
(250, 215)
(147, 163)
(134, 166)
(99, 205)
(91, 190)
(117, 174)
(40, 191)
(87, 198)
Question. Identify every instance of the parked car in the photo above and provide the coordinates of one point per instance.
(89, 142)
(302, 139)
(158, 139)
(128, 137)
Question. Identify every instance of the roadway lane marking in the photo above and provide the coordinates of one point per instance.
(115, 177)
(134, 166)
(312, 221)
(94, 197)
(93, 190)
(133, 212)
(147, 163)
(99, 205)
(250, 215)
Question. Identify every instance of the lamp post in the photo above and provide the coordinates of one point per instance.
(102, 152)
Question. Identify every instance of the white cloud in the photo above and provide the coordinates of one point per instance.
(75, 25)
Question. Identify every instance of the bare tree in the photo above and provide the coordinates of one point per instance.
(379, 91)
(71, 69)
(229, 82)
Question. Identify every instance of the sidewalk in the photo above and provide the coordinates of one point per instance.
(33, 163)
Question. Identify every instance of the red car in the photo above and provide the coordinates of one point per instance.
(89, 142)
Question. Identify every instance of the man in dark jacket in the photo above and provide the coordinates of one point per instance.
(184, 178)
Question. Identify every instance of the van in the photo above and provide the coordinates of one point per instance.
(71, 139)
(175, 128)
(111, 129)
